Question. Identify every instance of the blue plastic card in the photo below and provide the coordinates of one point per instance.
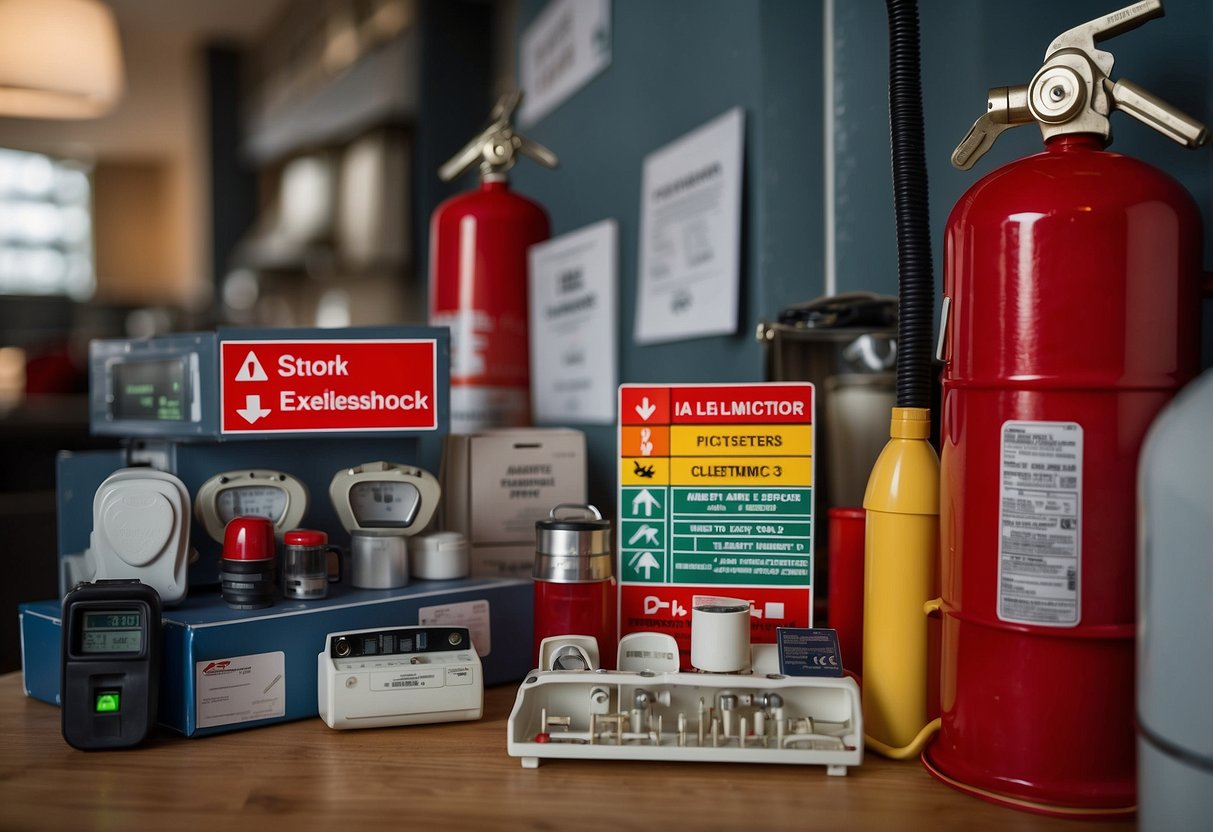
(805, 651)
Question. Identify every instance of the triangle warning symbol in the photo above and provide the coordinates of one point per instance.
(251, 369)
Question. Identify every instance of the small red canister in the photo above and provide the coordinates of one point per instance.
(575, 588)
(246, 572)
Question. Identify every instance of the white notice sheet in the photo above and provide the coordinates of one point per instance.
(573, 325)
(690, 234)
(568, 44)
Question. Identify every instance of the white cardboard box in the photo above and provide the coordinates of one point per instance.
(497, 484)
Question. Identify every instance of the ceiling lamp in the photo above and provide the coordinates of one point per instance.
(58, 59)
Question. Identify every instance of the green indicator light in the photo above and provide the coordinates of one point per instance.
(107, 703)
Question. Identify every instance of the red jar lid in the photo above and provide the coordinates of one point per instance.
(248, 538)
(305, 537)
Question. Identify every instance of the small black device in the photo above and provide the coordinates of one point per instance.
(110, 681)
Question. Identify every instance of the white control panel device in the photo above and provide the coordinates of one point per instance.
(141, 531)
(275, 495)
(399, 676)
(649, 712)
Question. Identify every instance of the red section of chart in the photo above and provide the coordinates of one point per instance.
(644, 405)
(667, 609)
(740, 404)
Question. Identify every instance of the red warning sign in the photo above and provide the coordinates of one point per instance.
(327, 386)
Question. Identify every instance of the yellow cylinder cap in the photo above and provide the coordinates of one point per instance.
(910, 423)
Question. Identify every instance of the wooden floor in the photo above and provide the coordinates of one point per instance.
(302, 775)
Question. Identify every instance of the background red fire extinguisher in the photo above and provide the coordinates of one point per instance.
(478, 276)
(1070, 319)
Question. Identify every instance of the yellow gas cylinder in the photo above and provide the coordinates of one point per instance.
(900, 550)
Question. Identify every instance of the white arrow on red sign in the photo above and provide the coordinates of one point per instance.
(645, 409)
(252, 410)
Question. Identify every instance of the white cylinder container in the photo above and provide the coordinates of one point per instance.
(440, 556)
(720, 634)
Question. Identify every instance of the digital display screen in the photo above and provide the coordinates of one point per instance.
(154, 390)
(112, 631)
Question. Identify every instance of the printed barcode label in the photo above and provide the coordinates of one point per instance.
(1040, 540)
(414, 679)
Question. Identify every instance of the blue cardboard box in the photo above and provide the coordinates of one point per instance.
(226, 669)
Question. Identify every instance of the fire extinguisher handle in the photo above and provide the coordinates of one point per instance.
(1007, 108)
(537, 152)
(464, 159)
(1084, 37)
(503, 109)
(1154, 112)
(1073, 93)
(495, 146)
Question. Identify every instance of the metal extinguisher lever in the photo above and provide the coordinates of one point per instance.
(496, 146)
(1149, 109)
(1083, 38)
(1073, 93)
(1007, 108)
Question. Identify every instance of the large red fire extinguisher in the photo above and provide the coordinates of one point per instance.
(1071, 318)
(478, 276)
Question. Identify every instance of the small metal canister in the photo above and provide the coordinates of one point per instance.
(305, 571)
(575, 588)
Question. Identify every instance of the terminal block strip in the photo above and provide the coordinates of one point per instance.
(694, 717)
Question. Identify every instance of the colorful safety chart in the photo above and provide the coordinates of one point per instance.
(715, 499)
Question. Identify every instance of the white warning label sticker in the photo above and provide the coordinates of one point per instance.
(1040, 541)
(240, 689)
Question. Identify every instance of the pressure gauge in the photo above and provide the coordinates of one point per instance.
(384, 499)
(274, 495)
(381, 504)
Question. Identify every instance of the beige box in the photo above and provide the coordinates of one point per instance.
(496, 484)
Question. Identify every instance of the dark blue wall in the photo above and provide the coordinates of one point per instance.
(675, 66)
(969, 46)
(678, 63)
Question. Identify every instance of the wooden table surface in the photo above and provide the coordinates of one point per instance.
(303, 775)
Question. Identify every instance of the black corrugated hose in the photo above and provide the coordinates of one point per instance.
(916, 283)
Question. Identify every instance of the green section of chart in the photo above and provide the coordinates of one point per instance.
(753, 536)
(747, 569)
(786, 503)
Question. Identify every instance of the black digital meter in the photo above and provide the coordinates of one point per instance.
(110, 682)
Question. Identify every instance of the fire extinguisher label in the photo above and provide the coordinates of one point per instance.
(1040, 542)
